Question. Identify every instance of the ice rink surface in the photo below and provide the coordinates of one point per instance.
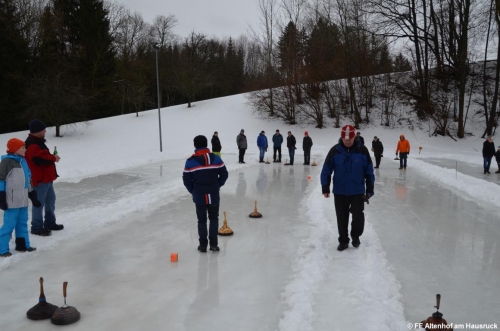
(121, 278)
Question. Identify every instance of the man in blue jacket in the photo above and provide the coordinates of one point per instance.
(204, 175)
(352, 170)
(262, 144)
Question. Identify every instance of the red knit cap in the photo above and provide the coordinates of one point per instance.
(306, 133)
(348, 132)
(14, 144)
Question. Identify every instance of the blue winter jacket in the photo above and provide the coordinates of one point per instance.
(352, 170)
(262, 141)
(204, 175)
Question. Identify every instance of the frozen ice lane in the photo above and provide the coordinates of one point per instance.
(469, 169)
(120, 275)
(438, 241)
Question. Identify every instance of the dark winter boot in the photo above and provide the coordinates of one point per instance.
(356, 242)
(6, 254)
(342, 246)
(21, 246)
(56, 227)
(498, 171)
(202, 249)
(261, 160)
(215, 248)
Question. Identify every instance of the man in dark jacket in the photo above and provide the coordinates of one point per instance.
(241, 141)
(378, 150)
(43, 170)
(306, 147)
(204, 175)
(353, 184)
(277, 142)
(359, 138)
(497, 158)
(488, 152)
(290, 144)
(216, 146)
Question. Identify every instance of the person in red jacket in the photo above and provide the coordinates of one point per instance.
(42, 164)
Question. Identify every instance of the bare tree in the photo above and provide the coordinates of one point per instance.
(161, 29)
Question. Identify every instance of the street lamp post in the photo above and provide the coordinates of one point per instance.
(157, 47)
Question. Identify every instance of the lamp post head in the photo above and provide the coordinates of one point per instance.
(157, 46)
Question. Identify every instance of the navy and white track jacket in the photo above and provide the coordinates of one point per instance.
(204, 175)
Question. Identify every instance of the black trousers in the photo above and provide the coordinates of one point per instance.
(213, 216)
(377, 160)
(307, 156)
(242, 154)
(277, 149)
(345, 204)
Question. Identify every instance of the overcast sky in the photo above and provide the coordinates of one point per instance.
(220, 18)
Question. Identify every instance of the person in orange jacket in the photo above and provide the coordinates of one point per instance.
(404, 150)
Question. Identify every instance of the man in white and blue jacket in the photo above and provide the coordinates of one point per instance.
(353, 184)
(204, 175)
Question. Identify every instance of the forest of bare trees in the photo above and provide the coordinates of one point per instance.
(307, 61)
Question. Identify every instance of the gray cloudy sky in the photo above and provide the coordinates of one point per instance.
(222, 18)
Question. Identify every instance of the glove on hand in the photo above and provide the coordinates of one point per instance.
(3, 201)
(34, 199)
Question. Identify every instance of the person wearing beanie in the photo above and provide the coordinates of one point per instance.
(497, 158)
(378, 150)
(488, 153)
(262, 145)
(42, 164)
(241, 142)
(36, 126)
(307, 144)
(404, 150)
(353, 184)
(204, 174)
(216, 146)
(290, 144)
(277, 142)
(15, 190)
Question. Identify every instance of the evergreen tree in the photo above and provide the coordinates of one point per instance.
(13, 64)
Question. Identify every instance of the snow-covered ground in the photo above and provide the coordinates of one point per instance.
(432, 229)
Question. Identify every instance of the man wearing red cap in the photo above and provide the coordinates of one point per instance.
(306, 147)
(353, 184)
(15, 189)
(42, 164)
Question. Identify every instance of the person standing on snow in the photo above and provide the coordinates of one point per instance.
(353, 184)
(204, 174)
(307, 144)
(42, 165)
(277, 142)
(216, 146)
(262, 144)
(359, 138)
(404, 150)
(488, 152)
(378, 150)
(497, 158)
(290, 143)
(15, 190)
(241, 141)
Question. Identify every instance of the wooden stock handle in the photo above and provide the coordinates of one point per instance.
(65, 286)
(438, 300)
(224, 216)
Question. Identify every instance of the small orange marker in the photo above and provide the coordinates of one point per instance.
(308, 177)
(174, 257)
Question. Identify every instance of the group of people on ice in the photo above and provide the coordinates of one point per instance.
(488, 153)
(263, 145)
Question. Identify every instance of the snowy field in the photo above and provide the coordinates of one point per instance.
(434, 228)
